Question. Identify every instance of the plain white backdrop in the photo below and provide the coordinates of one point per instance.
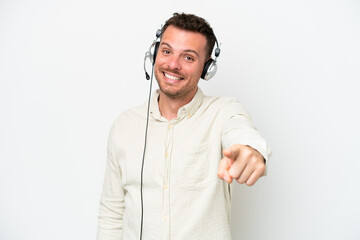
(68, 68)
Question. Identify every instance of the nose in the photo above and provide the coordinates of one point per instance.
(174, 62)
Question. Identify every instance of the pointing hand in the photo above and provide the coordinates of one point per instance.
(243, 163)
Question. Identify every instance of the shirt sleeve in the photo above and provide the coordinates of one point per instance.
(112, 206)
(239, 129)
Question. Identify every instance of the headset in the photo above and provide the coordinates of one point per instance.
(210, 66)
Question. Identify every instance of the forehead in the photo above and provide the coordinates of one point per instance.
(181, 39)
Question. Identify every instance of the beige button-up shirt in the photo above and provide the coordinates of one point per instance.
(183, 197)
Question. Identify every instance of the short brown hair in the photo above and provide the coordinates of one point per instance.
(193, 23)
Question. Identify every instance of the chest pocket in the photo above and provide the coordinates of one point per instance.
(190, 167)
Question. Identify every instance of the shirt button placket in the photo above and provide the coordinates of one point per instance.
(166, 186)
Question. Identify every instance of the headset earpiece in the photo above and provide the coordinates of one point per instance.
(210, 66)
(209, 69)
(153, 51)
(151, 54)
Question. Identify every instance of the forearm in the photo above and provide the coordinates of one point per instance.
(112, 207)
(110, 219)
(239, 129)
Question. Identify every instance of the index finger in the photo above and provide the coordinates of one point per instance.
(232, 152)
(223, 168)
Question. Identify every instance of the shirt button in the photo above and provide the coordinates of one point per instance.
(170, 126)
(166, 154)
(165, 219)
(189, 115)
(165, 186)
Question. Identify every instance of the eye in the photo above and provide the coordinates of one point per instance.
(189, 58)
(166, 52)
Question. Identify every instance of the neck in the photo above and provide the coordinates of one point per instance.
(169, 107)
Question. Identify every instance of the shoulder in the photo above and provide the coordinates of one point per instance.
(129, 118)
(224, 105)
(131, 114)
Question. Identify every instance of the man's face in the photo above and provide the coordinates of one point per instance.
(179, 62)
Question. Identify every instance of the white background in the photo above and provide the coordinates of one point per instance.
(68, 68)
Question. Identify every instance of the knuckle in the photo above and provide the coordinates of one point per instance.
(261, 168)
(256, 160)
(248, 153)
(253, 160)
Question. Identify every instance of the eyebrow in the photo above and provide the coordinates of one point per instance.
(186, 50)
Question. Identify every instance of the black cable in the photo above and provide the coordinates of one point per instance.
(142, 164)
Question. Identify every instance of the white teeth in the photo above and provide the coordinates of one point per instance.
(172, 77)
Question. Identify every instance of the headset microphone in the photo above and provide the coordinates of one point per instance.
(146, 74)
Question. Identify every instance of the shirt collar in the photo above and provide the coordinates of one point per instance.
(187, 110)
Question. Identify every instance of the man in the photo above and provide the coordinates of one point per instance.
(196, 146)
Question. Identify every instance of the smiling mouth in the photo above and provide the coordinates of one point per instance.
(172, 77)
